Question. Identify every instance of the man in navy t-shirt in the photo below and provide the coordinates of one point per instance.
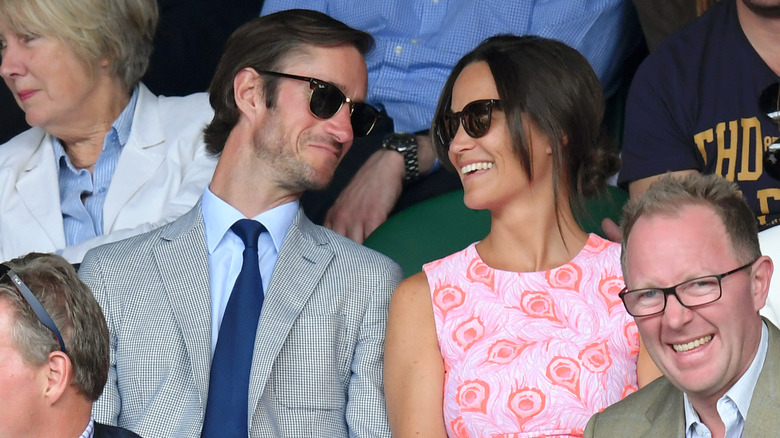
(694, 107)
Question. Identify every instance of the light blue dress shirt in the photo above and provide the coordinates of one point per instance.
(733, 406)
(89, 432)
(419, 41)
(226, 249)
(84, 220)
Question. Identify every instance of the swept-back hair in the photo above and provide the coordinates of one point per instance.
(265, 43)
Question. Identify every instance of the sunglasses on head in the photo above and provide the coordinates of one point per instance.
(326, 100)
(475, 118)
(35, 305)
(769, 103)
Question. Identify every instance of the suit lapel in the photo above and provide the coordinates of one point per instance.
(763, 419)
(302, 262)
(182, 258)
(38, 189)
(143, 154)
(667, 413)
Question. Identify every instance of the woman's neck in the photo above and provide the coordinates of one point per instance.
(530, 238)
(83, 134)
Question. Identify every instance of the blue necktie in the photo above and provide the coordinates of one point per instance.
(227, 406)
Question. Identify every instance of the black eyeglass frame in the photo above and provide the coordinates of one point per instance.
(314, 84)
(672, 290)
(35, 305)
(446, 137)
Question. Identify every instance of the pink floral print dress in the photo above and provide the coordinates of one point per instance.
(532, 354)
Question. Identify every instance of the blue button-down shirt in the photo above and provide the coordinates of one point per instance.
(89, 432)
(419, 41)
(83, 219)
(734, 404)
(226, 249)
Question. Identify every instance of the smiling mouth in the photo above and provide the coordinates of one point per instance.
(681, 348)
(473, 167)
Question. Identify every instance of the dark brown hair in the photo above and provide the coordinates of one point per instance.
(265, 43)
(554, 86)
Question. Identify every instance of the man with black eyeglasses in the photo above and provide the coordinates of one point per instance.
(53, 351)
(695, 282)
(242, 318)
(706, 101)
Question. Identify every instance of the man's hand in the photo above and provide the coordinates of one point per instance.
(369, 198)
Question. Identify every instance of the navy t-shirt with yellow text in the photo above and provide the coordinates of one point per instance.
(694, 104)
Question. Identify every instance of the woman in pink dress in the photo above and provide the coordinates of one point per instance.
(523, 333)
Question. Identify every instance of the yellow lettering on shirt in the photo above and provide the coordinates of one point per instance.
(751, 129)
(701, 140)
(726, 153)
(764, 196)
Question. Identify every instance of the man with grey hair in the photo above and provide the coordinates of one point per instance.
(53, 351)
(696, 281)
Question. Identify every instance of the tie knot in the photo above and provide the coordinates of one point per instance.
(248, 230)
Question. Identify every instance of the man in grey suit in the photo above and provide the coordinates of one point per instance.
(696, 280)
(287, 100)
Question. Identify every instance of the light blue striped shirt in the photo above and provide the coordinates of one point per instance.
(733, 406)
(419, 41)
(226, 249)
(89, 432)
(83, 220)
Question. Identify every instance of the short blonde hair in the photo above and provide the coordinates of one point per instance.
(669, 194)
(121, 31)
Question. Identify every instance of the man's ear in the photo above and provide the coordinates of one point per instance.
(59, 375)
(248, 92)
(762, 274)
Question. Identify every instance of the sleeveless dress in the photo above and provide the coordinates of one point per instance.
(532, 354)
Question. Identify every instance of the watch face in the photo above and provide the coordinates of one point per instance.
(399, 142)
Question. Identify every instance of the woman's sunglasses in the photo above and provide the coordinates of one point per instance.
(326, 100)
(35, 305)
(475, 118)
(769, 103)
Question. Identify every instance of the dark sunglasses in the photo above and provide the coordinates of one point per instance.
(34, 304)
(326, 100)
(475, 118)
(769, 103)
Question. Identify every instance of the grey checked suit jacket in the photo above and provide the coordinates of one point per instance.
(657, 409)
(317, 368)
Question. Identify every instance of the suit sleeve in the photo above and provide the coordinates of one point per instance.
(366, 411)
(107, 408)
(590, 429)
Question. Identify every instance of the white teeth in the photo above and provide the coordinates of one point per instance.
(691, 345)
(473, 167)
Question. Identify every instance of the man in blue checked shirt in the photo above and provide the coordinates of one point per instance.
(417, 43)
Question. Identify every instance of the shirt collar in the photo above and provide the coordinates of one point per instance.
(742, 391)
(219, 216)
(89, 432)
(120, 128)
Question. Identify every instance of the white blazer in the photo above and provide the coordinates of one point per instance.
(160, 175)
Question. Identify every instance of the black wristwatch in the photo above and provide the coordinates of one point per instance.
(405, 144)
